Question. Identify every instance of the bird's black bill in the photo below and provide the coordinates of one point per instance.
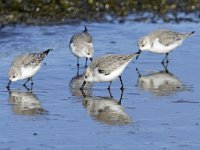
(82, 86)
(8, 86)
(138, 53)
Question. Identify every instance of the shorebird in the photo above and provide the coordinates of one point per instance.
(81, 45)
(25, 66)
(107, 68)
(162, 42)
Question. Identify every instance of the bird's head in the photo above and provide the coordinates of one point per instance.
(13, 74)
(88, 77)
(144, 43)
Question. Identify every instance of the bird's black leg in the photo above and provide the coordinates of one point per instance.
(77, 62)
(120, 100)
(77, 71)
(91, 59)
(165, 67)
(109, 85)
(31, 80)
(27, 81)
(167, 61)
(163, 61)
(77, 66)
(122, 86)
(109, 89)
(166, 58)
(27, 88)
(8, 86)
(31, 83)
(86, 62)
(110, 93)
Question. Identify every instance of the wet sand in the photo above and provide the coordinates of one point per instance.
(158, 109)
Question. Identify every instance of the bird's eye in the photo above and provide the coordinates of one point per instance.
(86, 76)
(13, 76)
(142, 45)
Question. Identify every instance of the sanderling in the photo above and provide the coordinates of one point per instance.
(81, 45)
(160, 83)
(25, 66)
(162, 41)
(107, 68)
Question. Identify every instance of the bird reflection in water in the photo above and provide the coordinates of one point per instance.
(25, 103)
(106, 110)
(75, 85)
(160, 83)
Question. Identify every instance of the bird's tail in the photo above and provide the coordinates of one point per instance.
(44, 53)
(188, 34)
(85, 30)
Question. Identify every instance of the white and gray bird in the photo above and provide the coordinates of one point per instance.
(81, 45)
(162, 42)
(107, 68)
(25, 66)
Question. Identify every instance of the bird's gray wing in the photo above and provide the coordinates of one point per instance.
(110, 63)
(81, 41)
(87, 37)
(167, 38)
(33, 59)
(81, 38)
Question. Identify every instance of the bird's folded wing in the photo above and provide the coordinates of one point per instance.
(111, 63)
(32, 59)
(87, 37)
(168, 37)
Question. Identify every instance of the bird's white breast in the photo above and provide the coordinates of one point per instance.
(99, 77)
(78, 52)
(29, 71)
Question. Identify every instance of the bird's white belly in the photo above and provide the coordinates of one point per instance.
(76, 52)
(28, 72)
(160, 48)
(112, 76)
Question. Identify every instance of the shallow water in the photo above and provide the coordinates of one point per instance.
(158, 109)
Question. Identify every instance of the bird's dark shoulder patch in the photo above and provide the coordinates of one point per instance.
(103, 72)
(121, 58)
(100, 71)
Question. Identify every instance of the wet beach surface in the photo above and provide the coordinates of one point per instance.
(159, 109)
